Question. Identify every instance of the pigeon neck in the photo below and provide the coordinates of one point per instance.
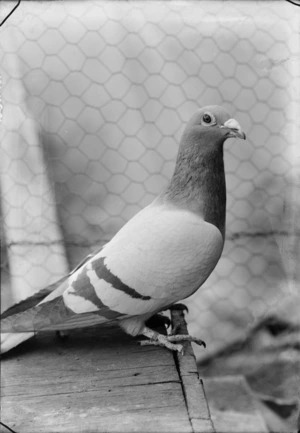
(198, 184)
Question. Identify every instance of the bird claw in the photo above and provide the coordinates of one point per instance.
(179, 307)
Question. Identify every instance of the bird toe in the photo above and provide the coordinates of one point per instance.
(179, 337)
(179, 307)
(167, 344)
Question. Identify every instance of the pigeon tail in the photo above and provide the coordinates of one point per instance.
(52, 315)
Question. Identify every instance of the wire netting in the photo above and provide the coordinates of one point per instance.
(95, 96)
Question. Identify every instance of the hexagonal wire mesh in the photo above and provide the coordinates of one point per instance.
(95, 97)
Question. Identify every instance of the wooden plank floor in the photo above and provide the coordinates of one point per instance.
(100, 380)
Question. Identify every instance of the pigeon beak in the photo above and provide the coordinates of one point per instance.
(235, 129)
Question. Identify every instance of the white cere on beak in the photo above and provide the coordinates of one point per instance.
(235, 128)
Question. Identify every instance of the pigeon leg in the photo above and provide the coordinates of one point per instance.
(156, 339)
(158, 320)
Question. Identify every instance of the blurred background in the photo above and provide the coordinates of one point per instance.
(95, 96)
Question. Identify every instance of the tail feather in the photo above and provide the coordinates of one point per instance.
(40, 317)
(52, 315)
(33, 300)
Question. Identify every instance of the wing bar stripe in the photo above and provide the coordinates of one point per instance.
(84, 288)
(104, 273)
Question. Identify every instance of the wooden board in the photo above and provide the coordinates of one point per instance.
(98, 380)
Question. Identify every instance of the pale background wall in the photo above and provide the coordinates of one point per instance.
(108, 87)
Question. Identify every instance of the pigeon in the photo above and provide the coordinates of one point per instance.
(158, 258)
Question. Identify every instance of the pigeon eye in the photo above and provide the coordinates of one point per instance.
(208, 119)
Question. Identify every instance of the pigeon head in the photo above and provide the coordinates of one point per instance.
(198, 181)
(210, 127)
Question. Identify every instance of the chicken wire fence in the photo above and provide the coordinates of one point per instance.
(95, 96)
